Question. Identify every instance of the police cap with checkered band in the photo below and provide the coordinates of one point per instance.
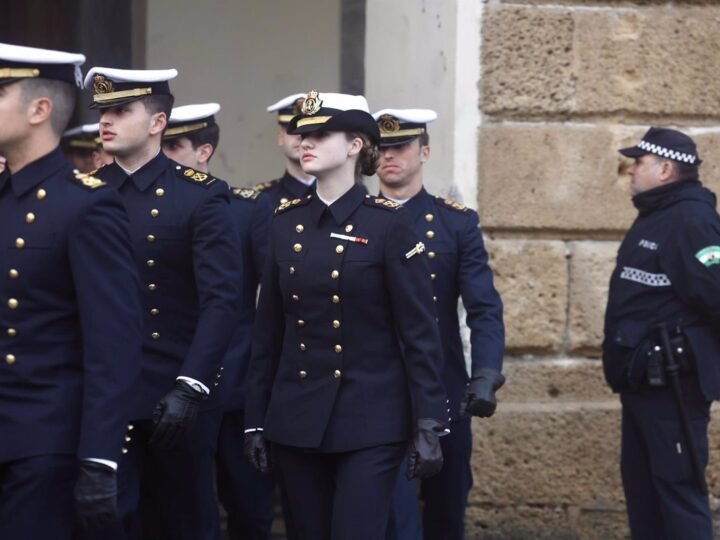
(665, 143)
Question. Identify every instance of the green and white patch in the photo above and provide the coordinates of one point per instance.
(709, 255)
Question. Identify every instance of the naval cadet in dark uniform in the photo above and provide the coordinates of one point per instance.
(661, 350)
(295, 183)
(343, 375)
(246, 495)
(70, 317)
(189, 262)
(80, 145)
(459, 268)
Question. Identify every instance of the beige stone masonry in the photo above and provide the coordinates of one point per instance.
(591, 264)
(531, 277)
(606, 4)
(629, 63)
(547, 464)
(548, 454)
(539, 177)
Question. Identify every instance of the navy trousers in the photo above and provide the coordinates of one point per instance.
(664, 501)
(444, 495)
(36, 498)
(168, 495)
(246, 495)
(339, 496)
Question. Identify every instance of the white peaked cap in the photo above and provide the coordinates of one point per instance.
(285, 102)
(79, 130)
(197, 111)
(131, 75)
(344, 102)
(415, 116)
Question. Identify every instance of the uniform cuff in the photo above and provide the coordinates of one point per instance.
(195, 383)
(113, 465)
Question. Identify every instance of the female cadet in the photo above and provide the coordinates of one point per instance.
(343, 373)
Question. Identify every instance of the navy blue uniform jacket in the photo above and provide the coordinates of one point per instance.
(668, 270)
(188, 259)
(327, 370)
(251, 212)
(284, 189)
(459, 267)
(70, 314)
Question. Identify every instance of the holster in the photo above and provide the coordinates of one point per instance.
(655, 369)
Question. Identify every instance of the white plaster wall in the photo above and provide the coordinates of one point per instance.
(410, 61)
(245, 55)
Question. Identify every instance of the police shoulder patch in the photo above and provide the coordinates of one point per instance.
(249, 194)
(262, 186)
(295, 203)
(709, 255)
(196, 177)
(379, 202)
(452, 205)
(87, 180)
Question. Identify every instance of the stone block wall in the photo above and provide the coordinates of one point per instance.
(564, 84)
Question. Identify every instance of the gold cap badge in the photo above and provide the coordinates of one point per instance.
(388, 124)
(101, 85)
(312, 103)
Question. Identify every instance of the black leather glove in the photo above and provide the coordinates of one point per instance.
(175, 414)
(95, 495)
(425, 458)
(480, 393)
(257, 451)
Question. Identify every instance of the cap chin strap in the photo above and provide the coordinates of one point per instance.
(78, 78)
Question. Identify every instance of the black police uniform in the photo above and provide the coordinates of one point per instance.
(284, 189)
(70, 341)
(188, 258)
(246, 494)
(666, 272)
(459, 267)
(328, 382)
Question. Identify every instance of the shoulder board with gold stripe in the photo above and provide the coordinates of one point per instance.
(87, 180)
(453, 205)
(196, 177)
(262, 186)
(295, 203)
(245, 193)
(379, 202)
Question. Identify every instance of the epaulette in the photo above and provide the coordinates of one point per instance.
(245, 193)
(262, 186)
(87, 180)
(379, 202)
(196, 177)
(294, 203)
(449, 203)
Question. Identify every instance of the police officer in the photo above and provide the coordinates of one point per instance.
(459, 269)
(246, 495)
(70, 317)
(295, 182)
(189, 259)
(661, 350)
(329, 384)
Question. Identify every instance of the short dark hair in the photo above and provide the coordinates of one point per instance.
(62, 95)
(209, 135)
(683, 171)
(159, 103)
(686, 171)
(424, 138)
